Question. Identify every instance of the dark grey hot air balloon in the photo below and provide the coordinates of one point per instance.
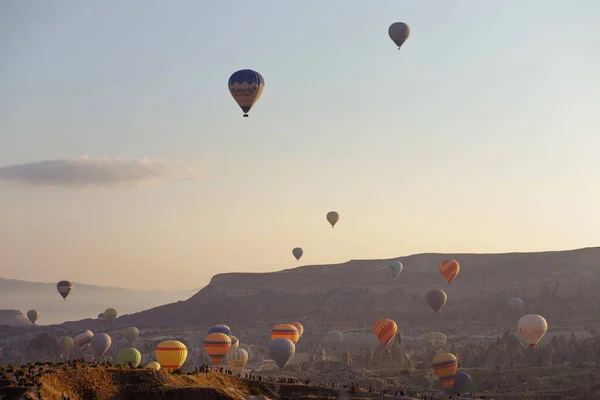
(281, 351)
(399, 32)
(514, 302)
(297, 252)
(64, 288)
(436, 299)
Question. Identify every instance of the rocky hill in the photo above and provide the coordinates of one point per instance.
(559, 284)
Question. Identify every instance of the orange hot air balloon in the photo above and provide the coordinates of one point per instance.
(285, 331)
(449, 269)
(385, 330)
(444, 365)
(298, 326)
(217, 346)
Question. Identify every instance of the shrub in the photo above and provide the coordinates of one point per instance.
(22, 382)
(177, 372)
(254, 391)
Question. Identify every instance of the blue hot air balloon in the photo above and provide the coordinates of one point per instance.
(281, 351)
(221, 328)
(246, 87)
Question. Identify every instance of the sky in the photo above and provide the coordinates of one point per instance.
(124, 161)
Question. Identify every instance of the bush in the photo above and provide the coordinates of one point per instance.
(254, 391)
(177, 372)
(22, 382)
(404, 372)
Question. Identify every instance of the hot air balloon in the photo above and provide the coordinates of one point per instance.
(436, 299)
(235, 343)
(464, 383)
(449, 269)
(298, 326)
(333, 217)
(395, 268)
(287, 331)
(110, 314)
(237, 359)
(129, 355)
(297, 252)
(130, 334)
(101, 343)
(66, 344)
(83, 339)
(64, 288)
(171, 354)
(532, 327)
(153, 365)
(334, 339)
(444, 365)
(514, 302)
(101, 317)
(281, 351)
(33, 315)
(399, 32)
(220, 328)
(385, 330)
(437, 340)
(216, 345)
(246, 87)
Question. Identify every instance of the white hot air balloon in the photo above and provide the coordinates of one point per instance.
(532, 327)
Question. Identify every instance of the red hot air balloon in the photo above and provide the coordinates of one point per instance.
(385, 330)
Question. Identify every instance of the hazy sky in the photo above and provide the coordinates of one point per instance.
(479, 135)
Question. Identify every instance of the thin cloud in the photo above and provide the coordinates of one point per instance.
(89, 172)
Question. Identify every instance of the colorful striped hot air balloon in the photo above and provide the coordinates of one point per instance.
(385, 330)
(444, 365)
(171, 354)
(64, 288)
(298, 326)
(286, 331)
(237, 359)
(449, 269)
(216, 346)
(83, 339)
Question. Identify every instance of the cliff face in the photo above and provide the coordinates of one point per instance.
(13, 318)
(357, 292)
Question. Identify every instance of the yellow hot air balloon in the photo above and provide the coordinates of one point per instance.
(298, 326)
(533, 328)
(171, 354)
(444, 365)
(286, 331)
(216, 345)
(153, 365)
(110, 314)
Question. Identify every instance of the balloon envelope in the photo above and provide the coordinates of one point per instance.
(287, 331)
(237, 359)
(235, 343)
(281, 351)
(298, 326)
(130, 334)
(129, 355)
(514, 302)
(297, 252)
(110, 314)
(449, 269)
(444, 365)
(437, 340)
(216, 346)
(246, 86)
(399, 32)
(333, 217)
(66, 343)
(334, 337)
(83, 339)
(532, 327)
(153, 365)
(396, 268)
(101, 316)
(436, 299)
(385, 330)
(33, 315)
(64, 288)
(101, 343)
(171, 354)
(220, 328)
